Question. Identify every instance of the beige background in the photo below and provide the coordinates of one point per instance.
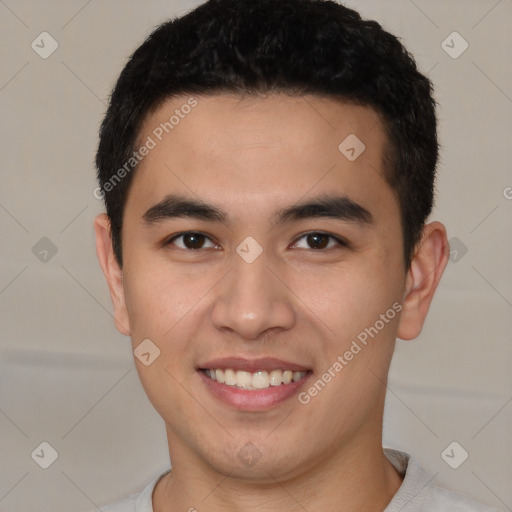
(68, 378)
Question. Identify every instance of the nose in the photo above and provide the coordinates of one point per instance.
(253, 299)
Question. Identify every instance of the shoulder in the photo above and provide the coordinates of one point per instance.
(418, 492)
(127, 504)
(136, 502)
(440, 499)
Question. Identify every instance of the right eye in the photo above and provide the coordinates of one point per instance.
(190, 240)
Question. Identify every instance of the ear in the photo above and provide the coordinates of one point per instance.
(427, 267)
(112, 271)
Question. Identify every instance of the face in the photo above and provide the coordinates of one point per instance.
(258, 250)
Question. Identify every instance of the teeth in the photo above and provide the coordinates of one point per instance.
(276, 377)
(243, 379)
(260, 380)
(257, 380)
(229, 377)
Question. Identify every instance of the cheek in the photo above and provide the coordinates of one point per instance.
(346, 299)
(160, 295)
(358, 310)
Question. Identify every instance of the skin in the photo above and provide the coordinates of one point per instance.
(251, 157)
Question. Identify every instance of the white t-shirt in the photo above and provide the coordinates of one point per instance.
(416, 494)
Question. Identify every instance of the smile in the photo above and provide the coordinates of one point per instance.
(252, 384)
(260, 379)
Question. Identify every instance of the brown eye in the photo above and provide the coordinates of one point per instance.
(319, 241)
(190, 241)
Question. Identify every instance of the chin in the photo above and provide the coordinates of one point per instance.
(253, 462)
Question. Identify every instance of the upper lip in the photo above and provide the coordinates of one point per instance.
(252, 365)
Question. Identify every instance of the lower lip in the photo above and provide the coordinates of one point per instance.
(253, 400)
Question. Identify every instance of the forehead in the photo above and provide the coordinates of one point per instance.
(225, 147)
(234, 122)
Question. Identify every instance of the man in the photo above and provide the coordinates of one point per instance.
(268, 169)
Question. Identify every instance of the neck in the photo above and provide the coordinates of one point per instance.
(357, 476)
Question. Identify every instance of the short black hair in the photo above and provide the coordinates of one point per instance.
(260, 47)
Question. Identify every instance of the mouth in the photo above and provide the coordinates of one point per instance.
(253, 384)
(261, 379)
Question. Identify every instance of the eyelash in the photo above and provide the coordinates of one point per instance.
(341, 243)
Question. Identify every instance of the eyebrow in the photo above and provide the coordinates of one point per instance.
(328, 206)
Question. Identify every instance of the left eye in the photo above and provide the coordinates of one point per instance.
(318, 241)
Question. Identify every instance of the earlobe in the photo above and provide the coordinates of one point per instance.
(427, 267)
(112, 271)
